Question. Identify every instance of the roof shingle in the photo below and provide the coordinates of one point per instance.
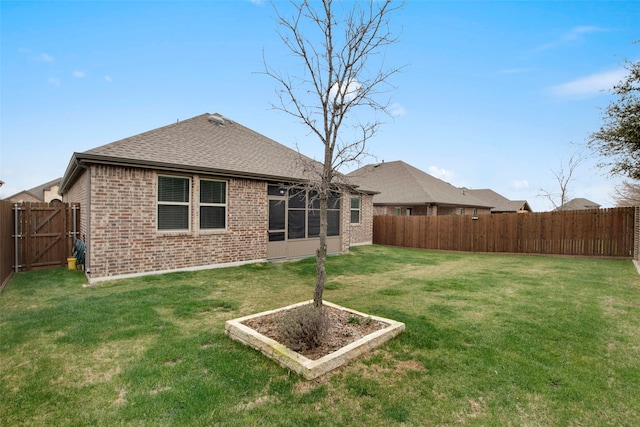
(402, 184)
(499, 202)
(202, 143)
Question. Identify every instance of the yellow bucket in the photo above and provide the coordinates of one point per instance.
(72, 263)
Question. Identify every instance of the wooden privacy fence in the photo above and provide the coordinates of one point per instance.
(6, 242)
(43, 234)
(597, 233)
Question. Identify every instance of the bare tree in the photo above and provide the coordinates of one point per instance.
(563, 177)
(627, 194)
(338, 89)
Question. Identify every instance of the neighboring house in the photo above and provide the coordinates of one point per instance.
(47, 193)
(500, 203)
(578, 204)
(202, 193)
(406, 190)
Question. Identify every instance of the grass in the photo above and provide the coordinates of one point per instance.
(491, 340)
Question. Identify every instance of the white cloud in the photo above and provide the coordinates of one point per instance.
(397, 110)
(78, 74)
(440, 173)
(577, 32)
(349, 90)
(569, 37)
(107, 79)
(55, 81)
(257, 2)
(519, 184)
(590, 85)
(45, 57)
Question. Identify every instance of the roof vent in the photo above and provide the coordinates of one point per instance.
(216, 120)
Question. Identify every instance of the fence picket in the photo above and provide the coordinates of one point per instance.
(43, 236)
(597, 232)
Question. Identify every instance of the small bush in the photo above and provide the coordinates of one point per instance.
(304, 327)
(357, 320)
(354, 320)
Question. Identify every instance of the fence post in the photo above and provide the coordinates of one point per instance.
(16, 263)
(636, 233)
(75, 232)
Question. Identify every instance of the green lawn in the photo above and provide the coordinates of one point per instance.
(491, 340)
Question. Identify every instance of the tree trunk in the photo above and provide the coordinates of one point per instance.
(321, 253)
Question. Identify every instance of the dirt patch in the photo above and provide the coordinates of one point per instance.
(344, 328)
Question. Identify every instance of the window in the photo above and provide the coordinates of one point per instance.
(213, 205)
(173, 203)
(303, 215)
(355, 209)
(297, 214)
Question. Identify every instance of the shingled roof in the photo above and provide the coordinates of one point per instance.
(402, 184)
(499, 202)
(38, 192)
(208, 143)
(577, 204)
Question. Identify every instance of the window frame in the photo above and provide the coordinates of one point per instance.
(224, 205)
(357, 209)
(173, 203)
(302, 210)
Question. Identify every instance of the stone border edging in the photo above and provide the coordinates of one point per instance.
(298, 363)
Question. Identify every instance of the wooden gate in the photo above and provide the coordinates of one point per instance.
(44, 234)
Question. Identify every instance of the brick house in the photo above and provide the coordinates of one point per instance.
(578, 204)
(500, 203)
(202, 193)
(47, 193)
(405, 190)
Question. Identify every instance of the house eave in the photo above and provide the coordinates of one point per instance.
(442, 204)
(71, 174)
(80, 159)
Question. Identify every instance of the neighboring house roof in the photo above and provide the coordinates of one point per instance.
(499, 202)
(208, 143)
(402, 184)
(578, 204)
(37, 192)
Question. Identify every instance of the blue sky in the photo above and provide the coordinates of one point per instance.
(494, 94)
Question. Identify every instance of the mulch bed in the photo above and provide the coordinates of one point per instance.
(343, 330)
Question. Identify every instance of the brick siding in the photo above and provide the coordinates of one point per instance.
(361, 233)
(124, 235)
(78, 194)
(123, 232)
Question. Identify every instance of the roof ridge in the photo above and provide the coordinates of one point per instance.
(148, 132)
(416, 174)
(207, 143)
